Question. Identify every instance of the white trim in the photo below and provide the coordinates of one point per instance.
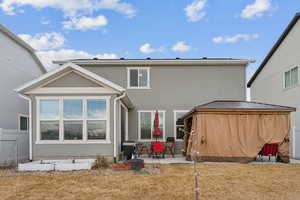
(72, 90)
(77, 68)
(19, 123)
(138, 87)
(174, 122)
(84, 120)
(152, 114)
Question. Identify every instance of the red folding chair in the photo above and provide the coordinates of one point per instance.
(269, 150)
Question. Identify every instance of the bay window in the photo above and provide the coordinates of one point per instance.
(146, 125)
(73, 119)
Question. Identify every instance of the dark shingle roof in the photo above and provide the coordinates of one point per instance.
(274, 48)
(241, 105)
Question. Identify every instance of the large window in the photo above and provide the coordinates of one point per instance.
(291, 78)
(178, 124)
(146, 124)
(23, 123)
(73, 119)
(138, 78)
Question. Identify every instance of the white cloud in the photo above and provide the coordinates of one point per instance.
(70, 7)
(63, 54)
(147, 49)
(235, 38)
(43, 41)
(85, 23)
(181, 46)
(45, 21)
(194, 11)
(257, 9)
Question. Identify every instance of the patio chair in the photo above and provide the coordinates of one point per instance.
(269, 150)
(170, 146)
(143, 148)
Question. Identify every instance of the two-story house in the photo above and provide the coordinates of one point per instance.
(88, 107)
(18, 64)
(276, 81)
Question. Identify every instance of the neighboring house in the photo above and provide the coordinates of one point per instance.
(277, 79)
(88, 107)
(18, 64)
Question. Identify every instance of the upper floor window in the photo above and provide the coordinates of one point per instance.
(291, 78)
(138, 78)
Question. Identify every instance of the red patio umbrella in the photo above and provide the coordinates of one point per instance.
(156, 130)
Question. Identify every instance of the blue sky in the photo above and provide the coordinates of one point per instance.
(149, 28)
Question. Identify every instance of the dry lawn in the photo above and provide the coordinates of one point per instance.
(218, 181)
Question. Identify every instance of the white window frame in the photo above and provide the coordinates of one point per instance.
(174, 121)
(61, 120)
(290, 70)
(153, 114)
(138, 87)
(19, 123)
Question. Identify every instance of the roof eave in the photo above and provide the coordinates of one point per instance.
(274, 48)
(157, 62)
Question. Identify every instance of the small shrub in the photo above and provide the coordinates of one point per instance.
(101, 163)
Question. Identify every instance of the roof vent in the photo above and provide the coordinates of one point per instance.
(177, 58)
(148, 58)
(95, 58)
(122, 58)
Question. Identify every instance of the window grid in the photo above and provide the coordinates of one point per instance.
(84, 118)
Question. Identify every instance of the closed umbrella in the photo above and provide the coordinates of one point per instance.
(156, 130)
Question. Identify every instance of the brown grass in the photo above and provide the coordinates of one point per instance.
(218, 181)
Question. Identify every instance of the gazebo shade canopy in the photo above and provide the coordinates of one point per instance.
(236, 130)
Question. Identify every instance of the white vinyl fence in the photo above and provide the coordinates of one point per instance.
(14, 147)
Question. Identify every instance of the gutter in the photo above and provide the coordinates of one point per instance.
(159, 62)
(115, 124)
(30, 124)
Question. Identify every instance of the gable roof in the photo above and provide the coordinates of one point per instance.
(159, 61)
(241, 105)
(23, 44)
(274, 48)
(65, 67)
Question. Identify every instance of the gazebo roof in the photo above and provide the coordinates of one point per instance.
(241, 105)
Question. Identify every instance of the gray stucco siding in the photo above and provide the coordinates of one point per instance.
(268, 86)
(177, 88)
(17, 67)
(57, 151)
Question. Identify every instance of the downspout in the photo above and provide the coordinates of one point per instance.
(30, 124)
(115, 124)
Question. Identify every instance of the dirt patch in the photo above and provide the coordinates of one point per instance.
(175, 181)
